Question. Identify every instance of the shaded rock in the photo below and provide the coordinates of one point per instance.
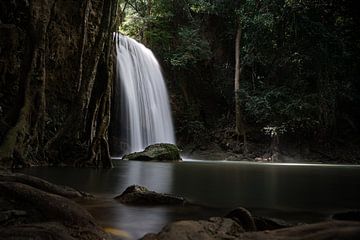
(33, 208)
(9, 214)
(41, 184)
(225, 228)
(139, 195)
(263, 223)
(347, 216)
(163, 152)
(43, 231)
(52, 206)
(320, 231)
(243, 217)
(214, 228)
(254, 223)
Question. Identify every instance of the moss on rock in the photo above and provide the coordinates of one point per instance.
(157, 152)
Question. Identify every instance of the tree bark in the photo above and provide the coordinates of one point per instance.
(238, 117)
(239, 123)
(149, 7)
(65, 82)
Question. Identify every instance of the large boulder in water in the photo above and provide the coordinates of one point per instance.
(163, 152)
(139, 195)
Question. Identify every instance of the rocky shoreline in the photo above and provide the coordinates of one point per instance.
(32, 207)
(215, 152)
(225, 228)
(223, 144)
(240, 223)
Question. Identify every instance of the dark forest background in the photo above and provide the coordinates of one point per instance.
(297, 93)
(299, 81)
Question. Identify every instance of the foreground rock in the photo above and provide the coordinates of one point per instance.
(263, 223)
(240, 224)
(41, 184)
(347, 216)
(243, 217)
(225, 228)
(163, 152)
(330, 230)
(214, 228)
(31, 207)
(255, 223)
(139, 195)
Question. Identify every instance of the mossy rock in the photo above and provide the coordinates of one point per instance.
(163, 152)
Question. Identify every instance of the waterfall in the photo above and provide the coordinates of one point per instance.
(142, 106)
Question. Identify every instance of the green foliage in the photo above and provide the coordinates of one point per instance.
(193, 130)
(299, 58)
(201, 6)
(191, 48)
(274, 131)
(281, 108)
(180, 44)
(295, 55)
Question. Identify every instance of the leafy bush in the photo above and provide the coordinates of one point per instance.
(282, 109)
(191, 48)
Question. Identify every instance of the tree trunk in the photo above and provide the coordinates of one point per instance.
(327, 106)
(238, 117)
(59, 82)
(239, 124)
(149, 7)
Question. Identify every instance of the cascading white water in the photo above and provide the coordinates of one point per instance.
(144, 107)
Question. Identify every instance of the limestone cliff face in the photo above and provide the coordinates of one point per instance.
(55, 81)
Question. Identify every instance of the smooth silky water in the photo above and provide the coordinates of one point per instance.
(141, 108)
(293, 192)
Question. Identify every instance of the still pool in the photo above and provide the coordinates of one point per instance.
(293, 192)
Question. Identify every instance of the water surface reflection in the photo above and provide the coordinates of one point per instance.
(292, 192)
